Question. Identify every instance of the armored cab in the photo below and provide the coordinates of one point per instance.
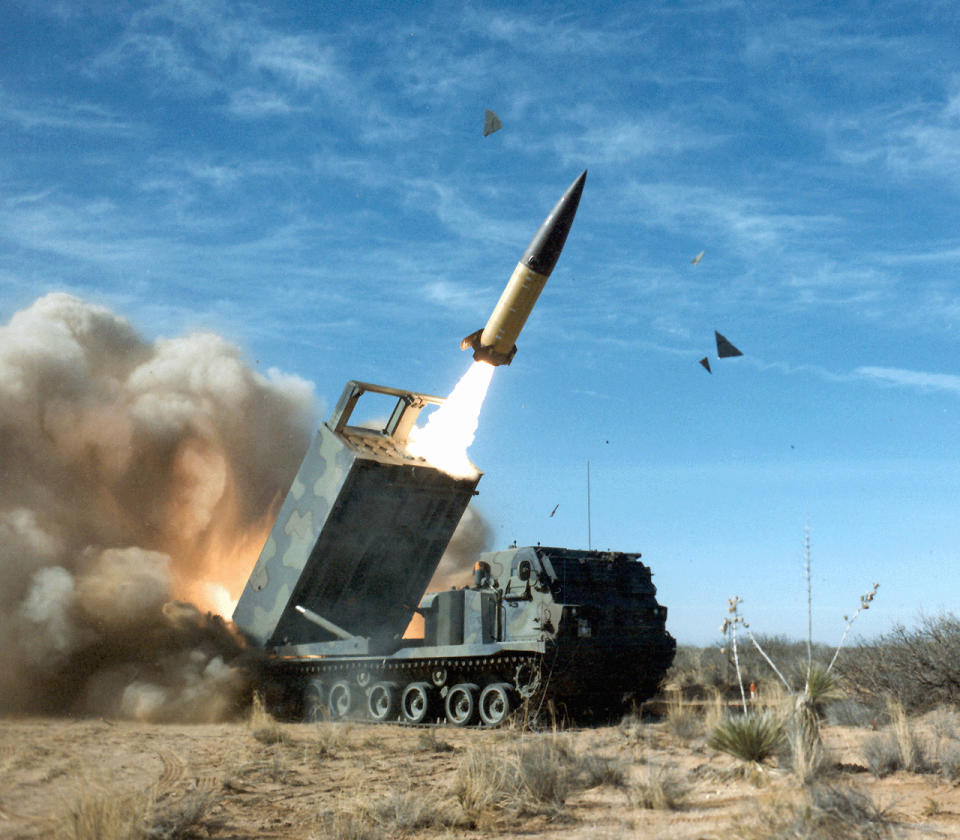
(347, 563)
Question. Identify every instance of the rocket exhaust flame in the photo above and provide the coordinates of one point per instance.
(449, 431)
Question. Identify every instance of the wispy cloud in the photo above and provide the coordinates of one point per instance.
(596, 138)
(32, 114)
(916, 379)
(299, 60)
(254, 103)
(213, 49)
(744, 220)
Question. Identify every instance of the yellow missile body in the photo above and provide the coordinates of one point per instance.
(496, 342)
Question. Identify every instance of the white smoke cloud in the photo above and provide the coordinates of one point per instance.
(136, 476)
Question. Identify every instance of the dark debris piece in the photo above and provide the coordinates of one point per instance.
(491, 122)
(724, 348)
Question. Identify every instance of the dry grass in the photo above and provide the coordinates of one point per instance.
(362, 817)
(882, 754)
(413, 810)
(715, 711)
(532, 777)
(347, 824)
(948, 761)
(263, 726)
(826, 812)
(429, 742)
(182, 818)
(100, 815)
(908, 747)
(805, 755)
(683, 720)
(663, 790)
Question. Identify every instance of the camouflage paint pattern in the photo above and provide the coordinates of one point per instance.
(356, 540)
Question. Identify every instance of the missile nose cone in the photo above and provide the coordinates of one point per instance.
(544, 249)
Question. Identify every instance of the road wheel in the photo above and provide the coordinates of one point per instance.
(382, 701)
(416, 702)
(314, 702)
(461, 704)
(340, 700)
(495, 704)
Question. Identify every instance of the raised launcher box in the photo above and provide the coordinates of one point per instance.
(357, 539)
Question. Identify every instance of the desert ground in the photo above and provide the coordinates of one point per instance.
(644, 777)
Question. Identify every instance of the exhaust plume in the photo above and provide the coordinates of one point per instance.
(137, 476)
(448, 433)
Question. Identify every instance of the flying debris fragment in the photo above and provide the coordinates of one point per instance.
(706, 363)
(725, 348)
(491, 122)
(697, 258)
(494, 343)
(552, 512)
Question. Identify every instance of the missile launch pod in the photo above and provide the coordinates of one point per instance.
(356, 542)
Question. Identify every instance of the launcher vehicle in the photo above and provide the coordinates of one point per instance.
(345, 568)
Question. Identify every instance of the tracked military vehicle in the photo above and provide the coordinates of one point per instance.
(345, 568)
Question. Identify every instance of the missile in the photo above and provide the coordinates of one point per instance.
(496, 342)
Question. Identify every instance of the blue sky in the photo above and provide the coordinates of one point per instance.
(311, 181)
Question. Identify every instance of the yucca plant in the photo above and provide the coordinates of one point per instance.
(817, 686)
(750, 737)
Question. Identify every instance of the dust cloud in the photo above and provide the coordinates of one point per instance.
(473, 535)
(138, 481)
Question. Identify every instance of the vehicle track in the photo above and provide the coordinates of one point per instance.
(173, 768)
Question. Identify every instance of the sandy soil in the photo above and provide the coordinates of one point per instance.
(284, 789)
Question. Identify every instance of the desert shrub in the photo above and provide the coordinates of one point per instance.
(789, 655)
(181, 818)
(948, 761)
(847, 711)
(685, 670)
(943, 722)
(534, 776)
(911, 754)
(141, 816)
(328, 738)
(751, 737)
(595, 770)
(826, 812)
(897, 748)
(632, 726)
(347, 824)
(920, 667)
(882, 754)
(682, 720)
(429, 742)
(411, 810)
(663, 790)
(263, 726)
(98, 815)
(715, 711)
